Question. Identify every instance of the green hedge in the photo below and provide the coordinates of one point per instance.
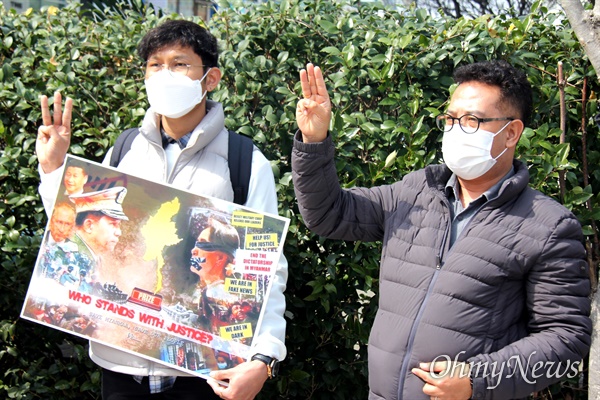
(389, 75)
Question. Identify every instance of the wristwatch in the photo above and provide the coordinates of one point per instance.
(271, 363)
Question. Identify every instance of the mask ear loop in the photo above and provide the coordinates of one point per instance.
(501, 129)
(499, 155)
(204, 91)
(206, 73)
(496, 134)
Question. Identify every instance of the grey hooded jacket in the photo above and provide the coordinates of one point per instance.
(510, 296)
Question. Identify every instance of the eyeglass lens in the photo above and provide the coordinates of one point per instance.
(468, 123)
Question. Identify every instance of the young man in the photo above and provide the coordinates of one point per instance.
(183, 142)
(484, 281)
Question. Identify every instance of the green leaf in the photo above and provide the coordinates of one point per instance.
(405, 41)
(389, 160)
(328, 26)
(331, 50)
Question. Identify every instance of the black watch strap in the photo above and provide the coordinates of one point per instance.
(271, 363)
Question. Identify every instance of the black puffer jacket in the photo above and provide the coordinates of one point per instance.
(510, 296)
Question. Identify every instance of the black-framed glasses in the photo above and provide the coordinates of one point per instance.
(175, 68)
(469, 123)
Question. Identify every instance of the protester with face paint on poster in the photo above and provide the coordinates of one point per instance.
(212, 260)
(484, 285)
(183, 142)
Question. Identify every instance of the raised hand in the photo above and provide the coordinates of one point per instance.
(54, 136)
(313, 112)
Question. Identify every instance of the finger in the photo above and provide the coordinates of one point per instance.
(43, 134)
(219, 375)
(66, 117)
(424, 375)
(305, 106)
(425, 366)
(46, 120)
(432, 391)
(310, 69)
(216, 387)
(57, 109)
(301, 108)
(321, 89)
(439, 366)
(304, 82)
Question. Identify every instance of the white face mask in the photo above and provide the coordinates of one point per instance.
(173, 95)
(222, 365)
(468, 154)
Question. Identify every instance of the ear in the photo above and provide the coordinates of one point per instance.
(213, 78)
(88, 224)
(222, 259)
(513, 132)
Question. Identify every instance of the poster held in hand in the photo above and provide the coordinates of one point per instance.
(155, 271)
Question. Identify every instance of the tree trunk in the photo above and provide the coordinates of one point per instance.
(586, 25)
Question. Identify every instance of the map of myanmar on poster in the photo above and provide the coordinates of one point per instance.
(155, 271)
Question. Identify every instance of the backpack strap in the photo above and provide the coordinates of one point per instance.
(239, 159)
(122, 145)
(240, 165)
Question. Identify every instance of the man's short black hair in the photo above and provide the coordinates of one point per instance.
(82, 216)
(514, 87)
(183, 33)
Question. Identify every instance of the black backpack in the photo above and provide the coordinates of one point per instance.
(239, 159)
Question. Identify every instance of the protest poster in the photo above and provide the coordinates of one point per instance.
(149, 269)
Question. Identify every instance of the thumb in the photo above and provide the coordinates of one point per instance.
(218, 375)
(302, 107)
(215, 383)
(305, 106)
(44, 133)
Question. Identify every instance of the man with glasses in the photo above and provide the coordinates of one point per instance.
(484, 281)
(183, 142)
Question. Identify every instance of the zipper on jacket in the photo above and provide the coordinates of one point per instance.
(440, 256)
(171, 176)
(412, 335)
(168, 176)
(413, 329)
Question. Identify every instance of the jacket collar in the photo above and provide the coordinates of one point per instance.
(437, 176)
(204, 133)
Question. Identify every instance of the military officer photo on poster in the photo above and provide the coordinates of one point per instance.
(156, 271)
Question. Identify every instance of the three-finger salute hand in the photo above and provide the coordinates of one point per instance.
(54, 135)
(313, 112)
